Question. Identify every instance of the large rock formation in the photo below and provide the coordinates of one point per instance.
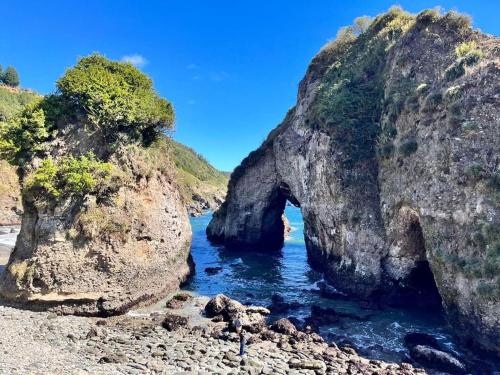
(104, 227)
(392, 153)
(86, 256)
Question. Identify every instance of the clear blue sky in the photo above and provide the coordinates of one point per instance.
(231, 67)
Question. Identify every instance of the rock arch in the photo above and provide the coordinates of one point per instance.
(387, 204)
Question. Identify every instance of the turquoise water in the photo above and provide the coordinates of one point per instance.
(253, 277)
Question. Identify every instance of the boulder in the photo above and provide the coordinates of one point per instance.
(178, 301)
(284, 326)
(279, 306)
(253, 318)
(174, 322)
(437, 359)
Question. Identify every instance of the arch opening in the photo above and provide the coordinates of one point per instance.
(273, 221)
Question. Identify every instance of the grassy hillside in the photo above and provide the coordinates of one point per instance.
(12, 100)
(201, 185)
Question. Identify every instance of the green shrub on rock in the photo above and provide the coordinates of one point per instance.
(68, 176)
(23, 136)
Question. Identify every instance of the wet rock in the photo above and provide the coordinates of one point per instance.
(437, 359)
(329, 291)
(213, 270)
(278, 304)
(321, 316)
(173, 322)
(284, 326)
(413, 339)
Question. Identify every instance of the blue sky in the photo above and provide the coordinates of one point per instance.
(231, 68)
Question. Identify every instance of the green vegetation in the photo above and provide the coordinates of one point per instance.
(113, 97)
(12, 102)
(24, 135)
(195, 175)
(349, 100)
(9, 77)
(116, 97)
(70, 175)
(190, 162)
(468, 54)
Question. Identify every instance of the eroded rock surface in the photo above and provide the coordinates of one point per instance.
(392, 153)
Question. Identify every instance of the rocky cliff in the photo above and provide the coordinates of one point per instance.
(104, 227)
(392, 153)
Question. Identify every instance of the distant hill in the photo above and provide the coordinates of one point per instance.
(12, 101)
(200, 184)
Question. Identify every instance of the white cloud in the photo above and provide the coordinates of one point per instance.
(135, 59)
(192, 66)
(218, 76)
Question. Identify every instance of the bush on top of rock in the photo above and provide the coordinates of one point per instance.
(115, 96)
(112, 97)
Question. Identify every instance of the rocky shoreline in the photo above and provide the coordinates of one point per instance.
(142, 343)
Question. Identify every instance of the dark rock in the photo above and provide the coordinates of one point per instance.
(321, 316)
(114, 358)
(174, 304)
(329, 291)
(213, 270)
(173, 322)
(178, 300)
(413, 339)
(218, 318)
(284, 326)
(437, 359)
(278, 304)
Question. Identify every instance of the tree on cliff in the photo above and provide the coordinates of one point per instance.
(116, 97)
(113, 97)
(10, 77)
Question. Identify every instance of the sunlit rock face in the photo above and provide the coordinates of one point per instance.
(392, 154)
(90, 255)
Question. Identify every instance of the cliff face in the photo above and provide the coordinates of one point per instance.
(392, 154)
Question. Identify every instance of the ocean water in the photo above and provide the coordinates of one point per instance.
(253, 277)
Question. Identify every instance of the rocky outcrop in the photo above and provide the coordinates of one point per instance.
(392, 154)
(252, 318)
(101, 255)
